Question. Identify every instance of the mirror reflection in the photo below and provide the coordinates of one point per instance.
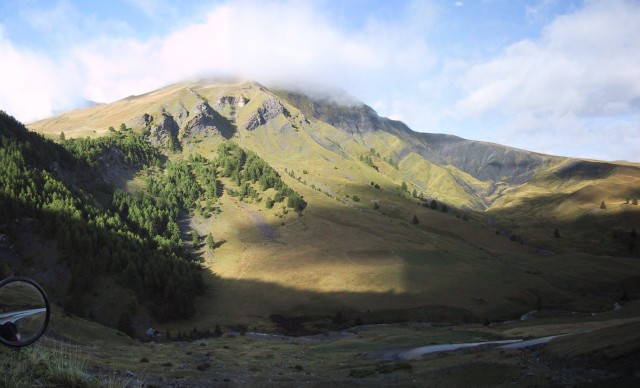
(23, 312)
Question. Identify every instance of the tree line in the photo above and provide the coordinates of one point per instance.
(95, 241)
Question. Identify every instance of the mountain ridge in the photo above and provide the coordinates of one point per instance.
(464, 173)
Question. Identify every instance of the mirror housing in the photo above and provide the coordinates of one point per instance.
(24, 311)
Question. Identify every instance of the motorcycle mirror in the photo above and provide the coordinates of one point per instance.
(24, 311)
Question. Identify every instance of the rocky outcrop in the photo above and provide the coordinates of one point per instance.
(140, 121)
(180, 116)
(161, 131)
(165, 133)
(207, 122)
(239, 101)
(269, 110)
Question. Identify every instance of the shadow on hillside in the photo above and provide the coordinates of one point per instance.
(596, 231)
(300, 312)
(265, 306)
(464, 288)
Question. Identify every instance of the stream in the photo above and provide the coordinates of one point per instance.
(416, 353)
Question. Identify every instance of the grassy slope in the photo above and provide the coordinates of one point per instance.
(344, 255)
(572, 204)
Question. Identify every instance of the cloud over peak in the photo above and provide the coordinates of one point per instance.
(535, 76)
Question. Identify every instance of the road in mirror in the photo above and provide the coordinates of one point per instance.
(22, 312)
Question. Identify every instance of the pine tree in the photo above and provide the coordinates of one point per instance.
(603, 205)
(210, 241)
(415, 220)
(195, 238)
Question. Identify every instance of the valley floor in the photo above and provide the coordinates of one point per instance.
(599, 350)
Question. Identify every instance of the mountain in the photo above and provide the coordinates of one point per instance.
(359, 233)
(279, 124)
(226, 204)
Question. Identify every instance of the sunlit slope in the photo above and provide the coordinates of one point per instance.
(356, 247)
(272, 126)
(347, 257)
(285, 127)
(570, 198)
(183, 102)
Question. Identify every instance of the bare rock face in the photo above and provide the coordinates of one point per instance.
(161, 131)
(235, 101)
(165, 132)
(271, 108)
(140, 122)
(208, 122)
(181, 116)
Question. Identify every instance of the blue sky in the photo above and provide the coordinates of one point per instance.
(553, 76)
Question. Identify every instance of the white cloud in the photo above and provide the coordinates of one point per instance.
(33, 86)
(579, 76)
(583, 67)
(275, 42)
(584, 64)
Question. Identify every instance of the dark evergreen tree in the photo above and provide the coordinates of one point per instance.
(210, 242)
